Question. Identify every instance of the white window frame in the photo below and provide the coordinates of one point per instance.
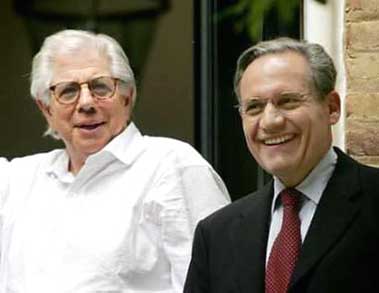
(324, 24)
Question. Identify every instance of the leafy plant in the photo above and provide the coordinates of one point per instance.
(248, 14)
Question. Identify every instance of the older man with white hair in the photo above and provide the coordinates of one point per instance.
(114, 211)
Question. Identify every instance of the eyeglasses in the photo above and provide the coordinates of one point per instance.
(284, 102)
(101, 88)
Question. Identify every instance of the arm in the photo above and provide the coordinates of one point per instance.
(195, 192)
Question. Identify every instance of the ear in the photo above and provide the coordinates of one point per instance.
(238, 107)
(129, 96)
(334, 107)
(45, 109)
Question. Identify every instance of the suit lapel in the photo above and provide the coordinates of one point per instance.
(333, 216)
(251, 232)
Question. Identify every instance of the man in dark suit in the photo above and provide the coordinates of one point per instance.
(327, 202)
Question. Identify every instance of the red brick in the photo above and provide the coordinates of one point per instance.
(357, 10)
(361, 36)
(363, 66)
(363, 106)
(362, 137)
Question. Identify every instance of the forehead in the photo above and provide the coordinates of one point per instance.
(79, 66)
(274, 73)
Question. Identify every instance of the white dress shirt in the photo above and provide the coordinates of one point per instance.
(312, 188)
(124, 223)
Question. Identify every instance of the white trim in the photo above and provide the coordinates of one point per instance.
(324, 24)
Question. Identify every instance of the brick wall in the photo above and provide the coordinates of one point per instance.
(362, 65)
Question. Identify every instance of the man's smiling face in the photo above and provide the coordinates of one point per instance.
(87, 125)
(292, 132)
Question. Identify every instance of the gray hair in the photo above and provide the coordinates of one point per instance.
(322, 70)
(71, 42)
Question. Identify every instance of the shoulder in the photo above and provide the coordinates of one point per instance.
(178, 163)
(4, 166)
(4, 163)
(369, 177)
(173, 150)
(366, 172)
(22, 172)
(168, 144)
(4, 171)
(354, 174)
(35, 160)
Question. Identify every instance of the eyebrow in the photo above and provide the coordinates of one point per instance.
(300, 94)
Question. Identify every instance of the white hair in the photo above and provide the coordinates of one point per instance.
(71, 42)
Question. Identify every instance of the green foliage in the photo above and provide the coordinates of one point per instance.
(248, 14)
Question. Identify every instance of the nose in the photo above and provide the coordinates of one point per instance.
(85, 100)
(272, 119)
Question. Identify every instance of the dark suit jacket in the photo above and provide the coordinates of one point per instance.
(339, 254)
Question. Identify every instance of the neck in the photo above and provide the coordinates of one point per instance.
(76, 163)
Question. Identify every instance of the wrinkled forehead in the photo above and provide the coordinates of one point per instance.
(277, 72)
(282, 60)
(79, 65)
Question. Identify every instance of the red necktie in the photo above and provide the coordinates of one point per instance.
(286, 247)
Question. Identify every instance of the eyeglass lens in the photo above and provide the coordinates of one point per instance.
(100, 88)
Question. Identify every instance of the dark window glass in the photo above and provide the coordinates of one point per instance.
(222, 31)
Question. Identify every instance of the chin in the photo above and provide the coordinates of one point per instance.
(278, 164)
(280, 170)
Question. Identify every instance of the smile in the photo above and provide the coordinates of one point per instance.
(90, 126)
(278, 140)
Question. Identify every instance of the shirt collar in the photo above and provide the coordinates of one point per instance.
(57, 166)
(125, 147)
(314, 184)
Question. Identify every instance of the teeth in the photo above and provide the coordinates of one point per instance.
(278, 140)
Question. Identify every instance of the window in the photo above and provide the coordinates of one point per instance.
(221, 34)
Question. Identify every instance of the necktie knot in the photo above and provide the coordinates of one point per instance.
(290, 197)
